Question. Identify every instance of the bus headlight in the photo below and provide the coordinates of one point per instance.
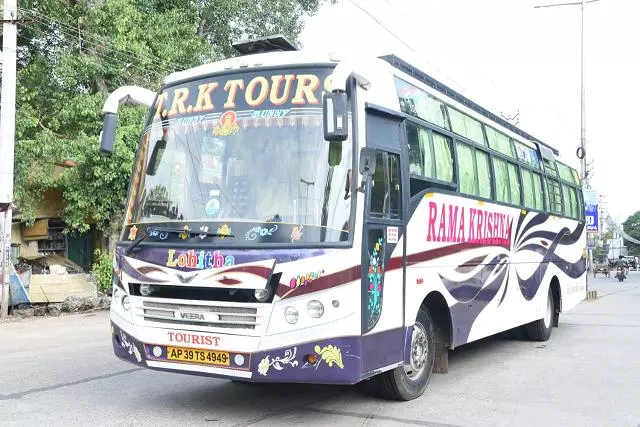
(291, 315)
(262, 295)
(145, 290)
(315, 309)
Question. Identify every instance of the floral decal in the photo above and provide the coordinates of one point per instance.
(304, 279)
(375, 282)
(224, 231)
(185, 234)
(331, 355)
(132, 232)
(296, 233)
(203, 232)
(277, 362)
(130, 347)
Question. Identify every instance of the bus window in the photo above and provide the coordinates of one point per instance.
(570, 202)
(514, 182)
(502, 180)
(468, 178)
(466, 126)
(386, 191)
(395, 195)
(443, 157)
(499, 141)
(420, 152)
(378, 188)
(483, 174)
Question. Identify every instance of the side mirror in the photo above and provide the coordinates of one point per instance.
(335, 116)
(156, 156)
(108, 134)
(367, 163)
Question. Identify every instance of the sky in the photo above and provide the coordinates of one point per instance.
(510, 57)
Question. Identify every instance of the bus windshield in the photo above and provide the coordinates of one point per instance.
(260, 171)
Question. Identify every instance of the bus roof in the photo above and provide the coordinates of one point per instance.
(451, 93)
(301, 57)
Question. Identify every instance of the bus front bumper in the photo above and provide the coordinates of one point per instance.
(329, 361)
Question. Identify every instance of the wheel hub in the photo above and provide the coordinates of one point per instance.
(419, 352)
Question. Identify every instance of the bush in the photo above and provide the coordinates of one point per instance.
(102, 270)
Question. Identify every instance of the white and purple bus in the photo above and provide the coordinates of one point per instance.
(294, 217)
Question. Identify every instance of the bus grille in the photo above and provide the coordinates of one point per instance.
(225, 317)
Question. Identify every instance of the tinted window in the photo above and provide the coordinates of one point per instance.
(499, 141)
(527, 154)
(420, 156)
(395, 195)
(484, 174)
(514, 183)
(418, 103)
(466, 126)
(466, 166)
(502, 180)
(430, 153)
(475, 172)
(443, 157)
(378, 188)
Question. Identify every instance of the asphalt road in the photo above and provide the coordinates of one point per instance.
(61, 371)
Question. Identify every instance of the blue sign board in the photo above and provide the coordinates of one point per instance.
(591, 218)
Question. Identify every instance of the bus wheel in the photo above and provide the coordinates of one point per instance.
(409, 381)
(540, 330)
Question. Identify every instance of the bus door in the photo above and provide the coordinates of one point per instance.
(383, 252)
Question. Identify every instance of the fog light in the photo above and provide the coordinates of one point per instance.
(291, 315)
(125, 302)
(145, 290)
(315, 309)
(157, 351)
(239, 359)
(262, 295)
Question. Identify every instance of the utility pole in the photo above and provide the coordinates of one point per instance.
(7, 138)
(584, 175)
(583, 133)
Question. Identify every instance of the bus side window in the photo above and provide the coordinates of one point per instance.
(386, 192)
(394, 190)
(379, 190)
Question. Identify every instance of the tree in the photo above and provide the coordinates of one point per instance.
(74, 52)
(632, 227)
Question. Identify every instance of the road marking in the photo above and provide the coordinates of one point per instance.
(56, 386)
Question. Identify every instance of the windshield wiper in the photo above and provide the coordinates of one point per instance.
(144, 235)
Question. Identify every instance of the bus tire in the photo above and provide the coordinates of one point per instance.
(409, 381)
(540, 330)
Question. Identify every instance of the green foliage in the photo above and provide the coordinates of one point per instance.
(102, 269)
(632, 227)
(73, 53)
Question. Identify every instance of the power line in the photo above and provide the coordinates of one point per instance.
(387, 29)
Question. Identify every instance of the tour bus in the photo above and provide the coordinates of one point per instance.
(305, 218)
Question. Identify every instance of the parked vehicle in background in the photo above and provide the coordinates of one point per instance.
(293, 217)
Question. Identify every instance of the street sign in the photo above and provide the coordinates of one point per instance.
(591, 218)
(590, 196)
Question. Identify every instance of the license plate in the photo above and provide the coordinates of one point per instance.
(200, 356)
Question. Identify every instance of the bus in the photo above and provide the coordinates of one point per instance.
(304, 218)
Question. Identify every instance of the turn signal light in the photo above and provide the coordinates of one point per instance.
(311, 359)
